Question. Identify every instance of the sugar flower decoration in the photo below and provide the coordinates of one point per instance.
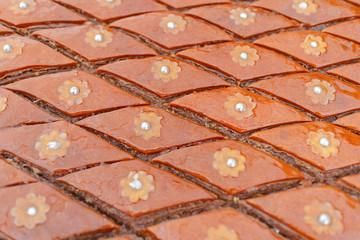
(166, 70)
(23, 6)
(3, 104)
(240, 106)
(320, 91)
(148, 125)
(74, 92)
(137, 186)
(173, 24)
(30, 211)
(11, 48)
(109, 3)
(52, 145)
(323, 218)
(242, 16)
(323, 143)
(305, 7)
(99, 37)
(229, 162)
(221, 232)
(314, 45)
(245, 55)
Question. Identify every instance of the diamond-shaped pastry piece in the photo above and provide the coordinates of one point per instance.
(15, 110)
(314, 48)
(52, 214)
(22, 54)
(191, 3)
(321, 95)
(76, 92)
(239, 109)
(353, 180)
(241, 20)
(109, 184)
(258, 168)
(39, 12)
(148, 129)
(351, 121)
(226, 58)
(349, 72)
(322, 212)
(321, 144)
(95, 43)
(348, 29)
(163, 75)
(106, 11)
(59, 147)
(311, 12)
(212, 225)
(10, 175)
(172, 30)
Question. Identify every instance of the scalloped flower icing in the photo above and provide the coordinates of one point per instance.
(30, 211)
(173, 24)
(74, 92)
(137, 186)
(229, 162)
(221, 232)
(23, 6)
(245, 55)
(323, 143)
(240, 106)
(99, 37)
(109, 3)
(52, 145)
(320, 91)
(148, 125)
(3, 103)
(166, 70)
(305, 7)
(11, 48)
(314, 45)
(323, 218)
(242, 16)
